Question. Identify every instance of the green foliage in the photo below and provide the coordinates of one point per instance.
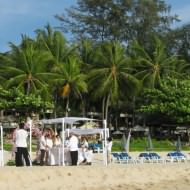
(118, 20)
(15, 99)
(178, 40)
(153, 64)
(171, 99)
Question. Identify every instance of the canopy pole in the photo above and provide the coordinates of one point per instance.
(63, 140)
(105, 142)
(30, 139)
(2, 151)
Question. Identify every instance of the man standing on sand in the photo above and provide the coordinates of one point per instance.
(21, 146)
(73, 147)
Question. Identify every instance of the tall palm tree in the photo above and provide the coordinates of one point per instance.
(55, 43)
(86, 54)
(71, 81)
(26, 68)
(111, 75)
(152, 65)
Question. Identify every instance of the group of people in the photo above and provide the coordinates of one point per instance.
(79, 150)
(47, 141)
(84, 156)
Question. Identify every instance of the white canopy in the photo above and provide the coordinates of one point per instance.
(71, 121)
(67, 120)
(79, 131)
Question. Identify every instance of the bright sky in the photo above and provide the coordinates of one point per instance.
(25, 16)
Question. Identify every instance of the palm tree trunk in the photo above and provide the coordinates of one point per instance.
(1, 114)
(67, 107)
(83, 108)
(27, 87)
(103, 108)
(106, 107)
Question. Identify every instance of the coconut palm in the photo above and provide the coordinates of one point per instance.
(152, 66)
(70, 80)
(55, 43)
(26, 68)
(111, 75)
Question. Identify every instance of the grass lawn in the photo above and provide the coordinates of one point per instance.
(140, 144)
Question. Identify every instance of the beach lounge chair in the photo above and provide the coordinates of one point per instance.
(116, 157)
(176, 157)
(126, 158)
(122, 157)
(144, 157)
(96, 147)
(156, 158)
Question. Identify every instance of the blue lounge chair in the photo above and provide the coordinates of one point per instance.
(96, 147)
(144, 157)
(176, 157)
(155, 157)
(116, 157)
(122, 157)
(126, 158)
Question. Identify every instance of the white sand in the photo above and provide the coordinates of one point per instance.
(170, 176)
(116, 177)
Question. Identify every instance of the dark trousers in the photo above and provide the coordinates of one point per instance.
(42, 157)
(21, 153)
(74, 157)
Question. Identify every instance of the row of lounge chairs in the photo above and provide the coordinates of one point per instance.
(149, 157)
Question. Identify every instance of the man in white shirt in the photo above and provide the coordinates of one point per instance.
(73, 147)
(21, 146)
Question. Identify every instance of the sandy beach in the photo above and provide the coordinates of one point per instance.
(153, 176)
(172, 176)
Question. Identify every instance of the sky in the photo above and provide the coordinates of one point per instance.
(25, 16)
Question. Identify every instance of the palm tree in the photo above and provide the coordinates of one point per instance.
(86, 53)
(55, 43)
(152, 66)
(70, 80)
(27, 68)
(111, 75)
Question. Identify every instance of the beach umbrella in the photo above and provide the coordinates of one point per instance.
(178, 144)
(117, 133)
(123, 141)
(149, 142)
(128, 141)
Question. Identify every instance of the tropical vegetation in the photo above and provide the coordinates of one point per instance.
(125, 58)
